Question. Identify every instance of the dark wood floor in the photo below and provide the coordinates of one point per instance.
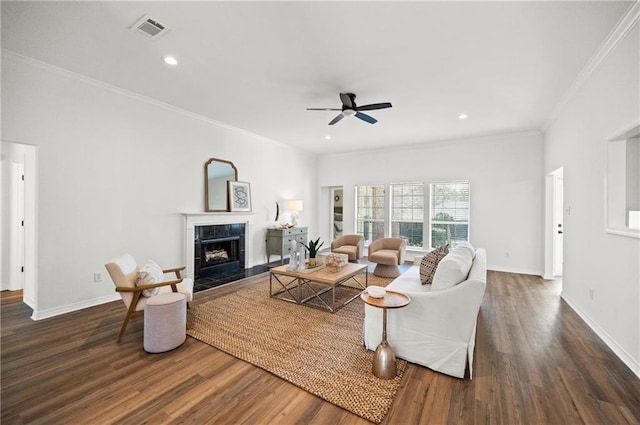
(536, 362)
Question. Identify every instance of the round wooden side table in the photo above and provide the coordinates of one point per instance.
(384, 360)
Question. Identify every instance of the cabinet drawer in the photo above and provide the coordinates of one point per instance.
(287, 241)
(294, 231)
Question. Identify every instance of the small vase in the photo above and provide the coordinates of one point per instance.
(301, 259)
(312, 262)
(293, 260)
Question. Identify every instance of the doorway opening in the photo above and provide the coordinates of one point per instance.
(18, 227)
(554, 228)
(337, 217)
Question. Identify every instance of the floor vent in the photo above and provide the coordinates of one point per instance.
(149, 27)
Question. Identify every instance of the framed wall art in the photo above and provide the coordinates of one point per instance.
(239, 196)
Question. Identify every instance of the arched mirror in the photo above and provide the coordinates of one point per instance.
(217, 172)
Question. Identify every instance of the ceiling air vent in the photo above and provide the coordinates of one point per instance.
(149, 27)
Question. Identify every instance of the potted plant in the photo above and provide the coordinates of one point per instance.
(313, 248)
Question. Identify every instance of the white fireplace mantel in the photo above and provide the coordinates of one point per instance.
(191, 220)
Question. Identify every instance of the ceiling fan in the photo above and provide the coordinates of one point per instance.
(349, 108)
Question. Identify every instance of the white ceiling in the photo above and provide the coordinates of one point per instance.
(258, 65)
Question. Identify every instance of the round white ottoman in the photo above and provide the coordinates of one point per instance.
(165, 322)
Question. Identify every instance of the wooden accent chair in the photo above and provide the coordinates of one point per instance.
(123, 271)
(389, 254)
(350, 245)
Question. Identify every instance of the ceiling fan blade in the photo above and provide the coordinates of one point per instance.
(374, 106)
(367, 118)
(324, 109)
(348, 100)
(336, 119)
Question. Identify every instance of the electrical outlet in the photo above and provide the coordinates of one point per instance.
(591, 293)
(97, 277)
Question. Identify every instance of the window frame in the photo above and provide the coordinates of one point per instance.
(392, 210)
(432, 190)
(359, 229)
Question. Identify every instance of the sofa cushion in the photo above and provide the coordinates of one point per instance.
(430, 262)
(350, 250)
(467, 245)
(149, 274)
(409, 282)
(385, 256)
(452, 269)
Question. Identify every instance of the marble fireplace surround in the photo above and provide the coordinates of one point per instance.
(191, 220)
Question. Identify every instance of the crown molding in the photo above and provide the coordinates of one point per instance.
(619, 32)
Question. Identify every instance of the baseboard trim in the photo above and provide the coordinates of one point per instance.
(622, 354)
(514, 270)
(45, 314)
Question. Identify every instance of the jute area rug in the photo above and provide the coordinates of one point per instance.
(318, 351)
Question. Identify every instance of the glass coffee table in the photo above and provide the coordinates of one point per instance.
(317, 287)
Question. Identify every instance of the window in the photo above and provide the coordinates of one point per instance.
(370, 207)
(407, 213)
(401, 214)
(449, 213)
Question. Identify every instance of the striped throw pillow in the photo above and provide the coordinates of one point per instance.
(430, 262)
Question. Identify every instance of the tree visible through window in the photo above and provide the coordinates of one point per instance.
(407, 212)
(370, 212)
(449, 213)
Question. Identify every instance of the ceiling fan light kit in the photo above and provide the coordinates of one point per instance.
(349, 108)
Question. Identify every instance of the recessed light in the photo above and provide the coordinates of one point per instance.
(170, 60)
(463, 116)
(327, 137)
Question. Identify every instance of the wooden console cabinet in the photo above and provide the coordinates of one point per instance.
(279, 241)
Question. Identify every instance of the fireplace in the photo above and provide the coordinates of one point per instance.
(218, 248)
(206, 227)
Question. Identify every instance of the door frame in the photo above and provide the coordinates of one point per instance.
(332, 204)
(26, 155)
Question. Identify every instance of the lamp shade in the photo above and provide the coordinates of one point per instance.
(294, 205)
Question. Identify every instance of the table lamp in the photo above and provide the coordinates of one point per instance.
(294, 206)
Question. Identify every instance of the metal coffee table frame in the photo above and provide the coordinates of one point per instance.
(292, 282)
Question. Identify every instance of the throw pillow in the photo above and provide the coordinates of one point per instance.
(150, 273)
(452, 269)
(430, 262)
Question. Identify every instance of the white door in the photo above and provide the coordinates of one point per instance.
(558, 221)
(16, 228)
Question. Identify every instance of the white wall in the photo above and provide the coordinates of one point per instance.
(506, 180)
(116, 170)
(594, 260)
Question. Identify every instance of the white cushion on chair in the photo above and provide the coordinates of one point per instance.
(185, 287)
(124, 272)
(149, 274)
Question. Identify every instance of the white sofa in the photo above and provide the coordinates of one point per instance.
(438, 328)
